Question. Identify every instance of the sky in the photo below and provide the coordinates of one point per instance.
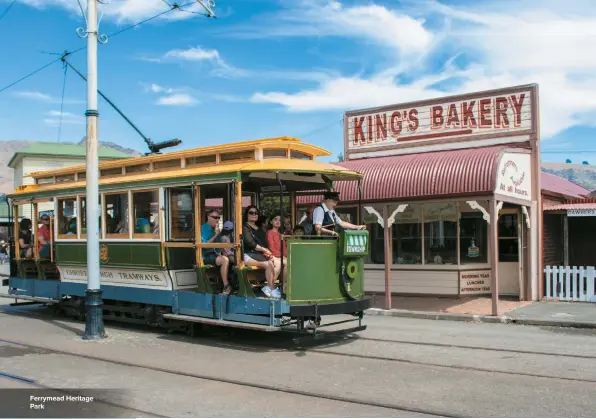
(268, 68)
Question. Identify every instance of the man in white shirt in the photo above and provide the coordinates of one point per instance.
(326, 220)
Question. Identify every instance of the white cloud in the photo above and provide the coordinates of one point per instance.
(67, 118)
(195, 54)
(42, 97)
(539, 43)
(396, 32)
(210, 57)
(177, 99)
(124, 10)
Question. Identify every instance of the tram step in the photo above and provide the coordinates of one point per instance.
(24, 297)
(217, 322)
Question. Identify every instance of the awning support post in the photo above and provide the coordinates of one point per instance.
(494, 238)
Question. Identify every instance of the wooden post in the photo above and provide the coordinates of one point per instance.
(17, 243)
(238, 225)
(293, 209)
(387, 239)
(35, 228)
(198, 249)
(52, 237)
(565, 240)
(494, 239)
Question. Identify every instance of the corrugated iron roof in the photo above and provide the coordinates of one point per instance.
(553, 183)
(444, 173)
(567, 206)
(434, 175)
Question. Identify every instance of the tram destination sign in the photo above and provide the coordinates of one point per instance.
(470, 120)
(153, 279)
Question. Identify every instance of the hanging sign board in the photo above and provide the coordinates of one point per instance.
(471, 120)
(514, 176)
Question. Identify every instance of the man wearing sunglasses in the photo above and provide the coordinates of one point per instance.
(326, 220)
(210, 233)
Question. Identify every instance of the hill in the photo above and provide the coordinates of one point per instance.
(581, 174)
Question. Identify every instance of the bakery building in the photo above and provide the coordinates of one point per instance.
(451, 194)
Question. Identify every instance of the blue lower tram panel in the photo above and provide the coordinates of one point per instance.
(236, 309)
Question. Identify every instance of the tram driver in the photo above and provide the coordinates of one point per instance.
(210, 233)
(326, 220)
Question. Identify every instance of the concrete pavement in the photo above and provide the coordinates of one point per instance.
(445, 368)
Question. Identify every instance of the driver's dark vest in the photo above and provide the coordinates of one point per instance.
(328, 219)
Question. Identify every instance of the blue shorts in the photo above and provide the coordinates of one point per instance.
(210, 259)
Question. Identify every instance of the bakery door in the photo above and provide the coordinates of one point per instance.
(509, 253)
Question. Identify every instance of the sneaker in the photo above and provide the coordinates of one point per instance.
(276, 293)
(267, 291)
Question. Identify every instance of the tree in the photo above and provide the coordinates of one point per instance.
(585, 162)
(340, 157)
(567, 161)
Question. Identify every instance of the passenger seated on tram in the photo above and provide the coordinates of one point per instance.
(45, 237)
(256, 252)
(298, 231)
(226, 237)
(210, 233)
(25, 245)
(275, 240)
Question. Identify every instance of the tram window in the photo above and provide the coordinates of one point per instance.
(145, 207)
(67, 218)
(166, 164)
(84, 216)
(300, 156)
(81, 176)
(45, 180)
(65, 178)
(275, 154)
(240, 155)
(200, 160)
(117, 171)
(116, 210)
(139, 168)
(181, 215)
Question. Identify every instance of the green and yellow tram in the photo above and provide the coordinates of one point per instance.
(152, 262)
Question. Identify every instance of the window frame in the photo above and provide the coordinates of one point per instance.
(147, 236)
(104, 209)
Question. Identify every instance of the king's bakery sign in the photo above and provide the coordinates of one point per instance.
(471, 120)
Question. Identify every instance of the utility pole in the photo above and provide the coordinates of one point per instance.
(94, 328)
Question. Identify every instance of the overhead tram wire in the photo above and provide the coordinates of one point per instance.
(62, 102)
(7, 9)
(174, 6)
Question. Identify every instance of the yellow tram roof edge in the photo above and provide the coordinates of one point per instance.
(270, 165)
(286, 141)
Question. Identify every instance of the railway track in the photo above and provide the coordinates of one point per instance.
(241, 340)
(243, 383)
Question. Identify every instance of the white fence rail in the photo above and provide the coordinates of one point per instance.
(566, 283)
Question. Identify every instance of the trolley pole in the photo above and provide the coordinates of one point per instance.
(94, 328)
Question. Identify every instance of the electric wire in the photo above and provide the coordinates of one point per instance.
(7, 9)
(62, 102)
(173, 7)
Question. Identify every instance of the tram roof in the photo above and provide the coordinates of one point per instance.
(266, 155)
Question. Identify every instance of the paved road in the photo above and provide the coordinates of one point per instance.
(397, 367)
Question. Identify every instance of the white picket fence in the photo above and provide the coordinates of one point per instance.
(566, 283)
